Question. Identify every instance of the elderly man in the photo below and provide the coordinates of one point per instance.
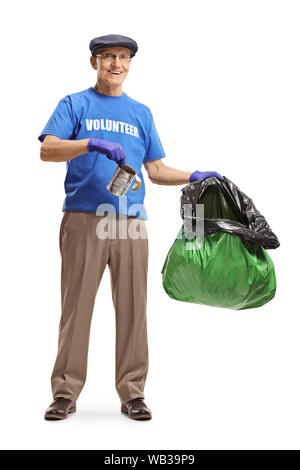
(94, 131)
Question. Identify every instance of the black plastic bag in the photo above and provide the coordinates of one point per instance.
(228, 209)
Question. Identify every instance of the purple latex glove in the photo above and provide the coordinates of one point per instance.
(112, 150)
(202, 175)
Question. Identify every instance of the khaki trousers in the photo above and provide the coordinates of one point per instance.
(85, 252)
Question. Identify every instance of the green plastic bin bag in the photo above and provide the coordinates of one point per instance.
(228, 266)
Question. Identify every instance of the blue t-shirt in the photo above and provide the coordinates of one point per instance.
(116, 118)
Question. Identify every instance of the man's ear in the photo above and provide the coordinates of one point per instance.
(93, 62)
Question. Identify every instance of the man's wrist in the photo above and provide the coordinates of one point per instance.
(91, 144)
(85, 143)
(191, 178)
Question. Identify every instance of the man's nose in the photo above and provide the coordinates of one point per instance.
(116, 60)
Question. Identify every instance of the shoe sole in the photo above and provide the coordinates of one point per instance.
(59, 417)
(144, 417)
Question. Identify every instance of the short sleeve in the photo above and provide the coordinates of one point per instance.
(61, 122)
(154, 148)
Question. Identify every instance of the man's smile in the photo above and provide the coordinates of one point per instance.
(115, 72)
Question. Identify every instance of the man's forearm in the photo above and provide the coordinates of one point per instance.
(63, 150)
(171, 176)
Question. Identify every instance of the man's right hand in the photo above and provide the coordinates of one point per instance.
(112, 150)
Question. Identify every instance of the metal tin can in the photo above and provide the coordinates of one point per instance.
(122, 179)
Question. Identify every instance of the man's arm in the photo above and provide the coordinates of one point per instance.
(159, 173)
(54, 149)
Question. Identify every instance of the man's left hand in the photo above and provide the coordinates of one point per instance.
(202, 175)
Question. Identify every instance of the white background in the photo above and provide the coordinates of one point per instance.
(222, 81)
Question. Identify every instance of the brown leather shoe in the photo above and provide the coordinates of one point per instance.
(60, 408)
(136, 409)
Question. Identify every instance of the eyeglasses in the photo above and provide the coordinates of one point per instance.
(108, 57)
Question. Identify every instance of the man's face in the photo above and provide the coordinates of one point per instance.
(113, 65)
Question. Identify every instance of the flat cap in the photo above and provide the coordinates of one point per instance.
(113, 40)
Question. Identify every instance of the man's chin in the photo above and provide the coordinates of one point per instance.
(115, 82)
